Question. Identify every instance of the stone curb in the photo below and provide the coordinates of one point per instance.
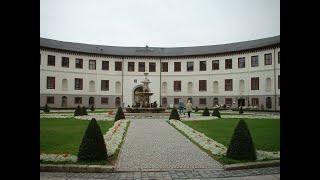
(74, 168)
(252, 165)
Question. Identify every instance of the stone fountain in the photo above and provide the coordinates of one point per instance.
(143, 105)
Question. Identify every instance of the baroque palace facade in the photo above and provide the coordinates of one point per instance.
(237, 74)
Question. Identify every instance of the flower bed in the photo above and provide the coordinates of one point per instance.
(58, 158)
(114, 136)
(214, 147)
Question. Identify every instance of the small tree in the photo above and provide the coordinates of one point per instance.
(196, 109)
(92, 108)
(241, 145)
(240, 110)
(78, 112)
(119, 114)
(174, 114)
(46, 108)
(216, 112)
(92, 147)
(205, 112)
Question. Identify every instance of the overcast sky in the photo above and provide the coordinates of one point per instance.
(159, 23)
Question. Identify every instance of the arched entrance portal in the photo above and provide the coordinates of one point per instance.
(136, 100)
(91, 101)
(64, 101)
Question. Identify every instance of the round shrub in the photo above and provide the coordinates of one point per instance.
(196, 109)
(205, 112)
(241, 145)
(174, 114)
(216, 112)
(92, 147)
(119, 114)
(46, 108)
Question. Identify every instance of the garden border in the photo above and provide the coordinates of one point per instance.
(75, 168)
(252, 165)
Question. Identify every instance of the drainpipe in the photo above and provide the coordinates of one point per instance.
(275, 79)
(160, 84)
(122, 81)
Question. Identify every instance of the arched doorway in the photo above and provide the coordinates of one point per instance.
(268, 102)
(241, 102)
(91, 101)
(117, 102)
(64, 101)
(136, 100)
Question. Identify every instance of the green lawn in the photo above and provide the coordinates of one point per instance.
(265, 132)
(65, 135)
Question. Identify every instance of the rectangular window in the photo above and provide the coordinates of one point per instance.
(79, 63)
(228, 64)
(78, 83)
(164, 67)
(142, 66)
(202, 85)
(228, 85)
(118, 66)
(279, 82)
(202, 101)
(254, 61)
(104, 100)
(51, 60)
(78, 100)
(92, 64)
(241, 62)
(203, 65)
(255, 83)
(228, 101)
(255, 102)
(176, 101)
(268, 59)
(152, 67)
(51, 82)
(177, 86)
(130, 66)
(50, 100)
(65, 62)
(190, 66)
(177, 66)
(105, 65)
(104, 85)
(215, 65)
(279, 57)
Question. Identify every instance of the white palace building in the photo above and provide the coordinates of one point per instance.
(237, 74)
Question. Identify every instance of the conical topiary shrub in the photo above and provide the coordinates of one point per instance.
(196, 109)
(216, 112)
(92, 147)
(241, 145)
(84, 111)
(174, 114)
(205, 112)
(119, 114)
(240, 110)
(78, 111)
(46, 108)
(92, 108)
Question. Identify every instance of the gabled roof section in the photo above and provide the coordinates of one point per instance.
(160, 51)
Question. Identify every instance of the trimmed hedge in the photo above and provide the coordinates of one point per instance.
(197, 109)
(92, 147)
(92, 108)
(119, 114)
(241, 145)
(80, 111)
(216, 112)
(174, 114)
(240, 110)
(205, 112)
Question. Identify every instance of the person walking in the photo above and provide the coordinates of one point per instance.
(181, 106)
(189, 108)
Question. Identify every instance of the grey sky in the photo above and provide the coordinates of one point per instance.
(159, 23)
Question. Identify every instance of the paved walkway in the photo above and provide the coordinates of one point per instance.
(271, 173)
(152, 144)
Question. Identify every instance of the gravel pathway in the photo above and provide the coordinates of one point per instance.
(152, 144)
